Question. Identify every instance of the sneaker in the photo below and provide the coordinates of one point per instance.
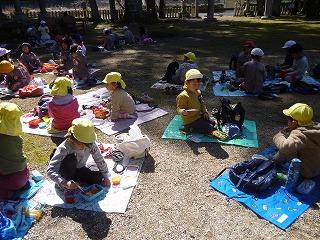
(69, 196)
(144, 98)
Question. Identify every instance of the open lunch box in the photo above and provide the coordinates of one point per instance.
(93, 192)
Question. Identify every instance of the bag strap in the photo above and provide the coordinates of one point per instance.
(219, 174)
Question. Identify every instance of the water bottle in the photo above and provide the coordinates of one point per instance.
(223, 76)
(293, 174)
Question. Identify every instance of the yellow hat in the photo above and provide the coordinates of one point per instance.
(60, 86)
(6, 66)
(300, 112)
(191, 56)
(114, 77)
(10, 114)
(83, 130)
(192, 74)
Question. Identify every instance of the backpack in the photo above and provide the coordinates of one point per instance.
(256, 174)
(315, 71)
(303, 87)
(41, 109)
(230, 113)
(171, 70)
(234, 60)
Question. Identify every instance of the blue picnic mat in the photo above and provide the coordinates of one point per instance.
(275, 204)
(221, 90)
(247, 137)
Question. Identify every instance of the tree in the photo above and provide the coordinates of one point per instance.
(113, 11)
(94, 10)
(162, 5)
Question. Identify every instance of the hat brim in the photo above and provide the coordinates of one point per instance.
(196, 76)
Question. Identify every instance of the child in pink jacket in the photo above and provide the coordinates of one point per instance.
(63, 107)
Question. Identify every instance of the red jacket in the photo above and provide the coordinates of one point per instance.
(63, 115)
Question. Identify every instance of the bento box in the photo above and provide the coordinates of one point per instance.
(92, 192)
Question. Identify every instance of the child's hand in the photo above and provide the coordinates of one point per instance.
(106, 182)
(184, 112)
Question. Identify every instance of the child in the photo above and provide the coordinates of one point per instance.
(44, 31)
(109, 42)
(122, 104)
(128, 36)
(63, 108)
(188, 63)
(32, 36)
(300, 139)
(77, 38)
(67, 165)
(191, 107)
(80, 69)
(56, 48)
(66, 60)
(299, 66)
(15, 77)
(5, 55)
(14, 171)
(253, 73)
(29, 59)
(245, 55)
(288, 60)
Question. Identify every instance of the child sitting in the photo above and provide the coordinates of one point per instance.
(188, 63)
(288, 60)
(109, 42)
(29, 59)
(191, 107)
(128, 36)
(299, 66)
(67, 165)
(63, 108)
(14, 171)
(56, 48)
(66, 60)
(15, 77)
(245, 55)
(80, 69)
(300, 139)
(122, 105)
(5, 55)
(253, 73)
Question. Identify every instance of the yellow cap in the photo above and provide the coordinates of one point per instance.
(60, 86)
(10, 114)
(191, 56)
(6, 66)
(192, 74)
(300, 112)
(114, 77)
(83, 130)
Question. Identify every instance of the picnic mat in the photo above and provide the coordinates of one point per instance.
(221, 90)
(247, 137)
(275, 204)
(114, 199)
(145, 114)
(162, 85)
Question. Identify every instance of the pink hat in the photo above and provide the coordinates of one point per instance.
(249, 43)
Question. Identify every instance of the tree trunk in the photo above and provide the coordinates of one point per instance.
(113, 11)
(18, 11)
(139, 9)
(276, 8)
(162, 5)
(260, 7)
(94, 11)
(42, 6)
(130, 11)
(153, 10)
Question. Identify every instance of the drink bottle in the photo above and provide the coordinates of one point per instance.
(293, 174)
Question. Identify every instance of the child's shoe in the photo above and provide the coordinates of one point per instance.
(144, 98)
(69, 196)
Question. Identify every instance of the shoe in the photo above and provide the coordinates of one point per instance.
(69, 196)
(144, 98)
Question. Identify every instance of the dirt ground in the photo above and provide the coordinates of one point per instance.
(173, 199)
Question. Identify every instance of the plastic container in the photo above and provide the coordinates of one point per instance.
(306, 186)
(293, 174)
(36, 175)
(92, 195)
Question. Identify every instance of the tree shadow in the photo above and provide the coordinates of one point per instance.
(95, 224)
(214, 149)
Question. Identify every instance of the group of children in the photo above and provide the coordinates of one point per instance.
(67, 164)
(252, 74)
